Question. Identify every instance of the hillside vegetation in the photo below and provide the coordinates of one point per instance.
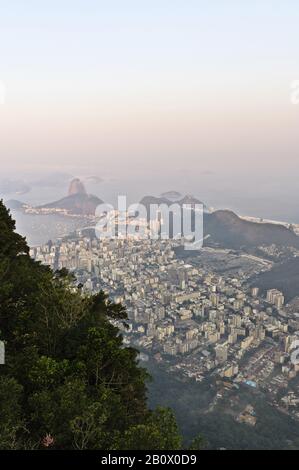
(68, 382)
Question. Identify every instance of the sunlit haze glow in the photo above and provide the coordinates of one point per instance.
(196, 93)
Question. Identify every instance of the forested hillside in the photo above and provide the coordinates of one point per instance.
(68, 382)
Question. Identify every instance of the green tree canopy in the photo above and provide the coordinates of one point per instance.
(68, 381)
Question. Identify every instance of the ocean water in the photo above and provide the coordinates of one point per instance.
(39, 229)
(257, 195)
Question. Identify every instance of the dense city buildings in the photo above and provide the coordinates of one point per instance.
(183, 312)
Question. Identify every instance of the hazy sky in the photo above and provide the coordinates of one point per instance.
(162, 87)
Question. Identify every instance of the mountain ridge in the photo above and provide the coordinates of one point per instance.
(224, 228)
(77, 201)
(229, 230)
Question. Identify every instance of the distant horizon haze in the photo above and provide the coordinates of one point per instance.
(190, 96)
